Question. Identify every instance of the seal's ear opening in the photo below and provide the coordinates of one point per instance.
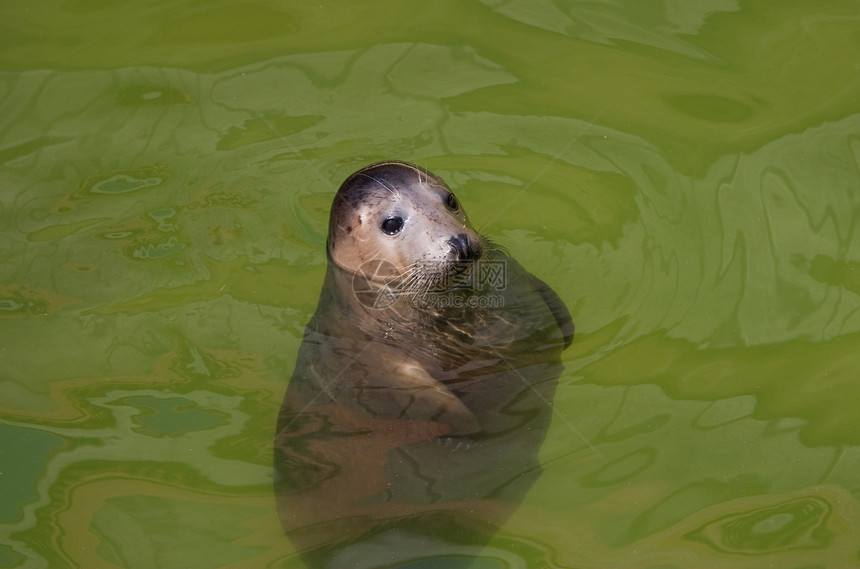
(343, 219)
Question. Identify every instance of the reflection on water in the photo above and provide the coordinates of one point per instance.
(797, 524)
(683, 174)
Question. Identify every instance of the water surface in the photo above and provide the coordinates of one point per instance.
(684, 174)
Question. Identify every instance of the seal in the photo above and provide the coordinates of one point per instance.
(423, 385)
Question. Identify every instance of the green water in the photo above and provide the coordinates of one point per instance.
(684, 174)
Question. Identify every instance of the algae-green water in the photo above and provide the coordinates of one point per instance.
(684, 174)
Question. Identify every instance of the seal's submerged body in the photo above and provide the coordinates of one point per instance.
(423, 386)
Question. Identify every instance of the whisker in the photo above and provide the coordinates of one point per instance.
(391, 189)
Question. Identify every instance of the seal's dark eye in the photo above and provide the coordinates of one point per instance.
(451, 202)
(392, 225)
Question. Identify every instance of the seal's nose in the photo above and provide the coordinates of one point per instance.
(459, 246)
(464, 249)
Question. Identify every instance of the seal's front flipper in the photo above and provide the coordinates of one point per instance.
(382, 382)
(411, 393)
(425, 398)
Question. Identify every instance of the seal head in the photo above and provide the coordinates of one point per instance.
(403, 219)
